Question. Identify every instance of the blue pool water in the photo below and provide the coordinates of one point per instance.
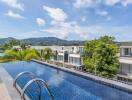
(63, 85)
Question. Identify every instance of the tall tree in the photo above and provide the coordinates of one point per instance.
(88, 54)
(101, 56)
(47, 53)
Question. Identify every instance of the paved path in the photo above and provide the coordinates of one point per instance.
(4, 95)
(8, 82)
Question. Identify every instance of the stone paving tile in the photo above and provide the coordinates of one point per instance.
(4, 95)
(8, 81)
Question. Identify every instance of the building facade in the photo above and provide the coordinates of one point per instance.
(125, 69)
(73, 56)
(70, 55)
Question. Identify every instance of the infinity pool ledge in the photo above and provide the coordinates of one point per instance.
(111, 83)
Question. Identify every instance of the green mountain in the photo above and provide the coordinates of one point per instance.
(44, 41)
(6, 40)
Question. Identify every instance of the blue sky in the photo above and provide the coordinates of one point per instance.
(66, 19)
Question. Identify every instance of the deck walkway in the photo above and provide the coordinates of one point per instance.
(7, 86)
(4, 95)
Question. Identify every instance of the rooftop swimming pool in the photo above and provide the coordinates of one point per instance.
(63, 85)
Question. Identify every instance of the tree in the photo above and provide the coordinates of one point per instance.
(55, 53)
(24, 45)
(88, 54)
(5, 46)
(32, 54)
(12, 43)
(101, 56)
(47, 53)
(24, 54)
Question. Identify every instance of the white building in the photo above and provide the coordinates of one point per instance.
(70, 55)
(125, 60)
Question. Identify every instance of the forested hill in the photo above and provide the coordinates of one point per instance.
(43, 41)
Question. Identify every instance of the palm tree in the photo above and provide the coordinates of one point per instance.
(47, 53)
(32, 54)
(23, 45)
(24, 54)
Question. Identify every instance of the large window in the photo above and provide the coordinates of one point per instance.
(74, 60)
(60, 58)
(127, 51)
(125, 69)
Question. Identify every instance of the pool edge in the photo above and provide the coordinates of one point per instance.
(111, 83)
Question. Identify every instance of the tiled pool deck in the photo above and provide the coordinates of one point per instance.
(4, 95)
(112, 83)
(7, 91)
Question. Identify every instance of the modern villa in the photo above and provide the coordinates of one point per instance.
(125, 70)
(69, 55)
(73, 55)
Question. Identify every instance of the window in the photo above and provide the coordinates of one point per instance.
(73, 60)
(127, 51)
(125, 69)
(60, 58)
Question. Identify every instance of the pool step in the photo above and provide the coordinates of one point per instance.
(35, 80)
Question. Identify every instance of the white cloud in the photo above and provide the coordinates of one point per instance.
(121, 33)
(126, 2)
(94, 3)
(13, 3)
(59, 29)
(64, 29)
(102, 13)
(56, 13)
(14, 15)
(121, 2)
(40, 21)
(85, 3)
(112, 2)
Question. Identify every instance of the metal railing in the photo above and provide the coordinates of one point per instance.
(18, 76)
(33, 80)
